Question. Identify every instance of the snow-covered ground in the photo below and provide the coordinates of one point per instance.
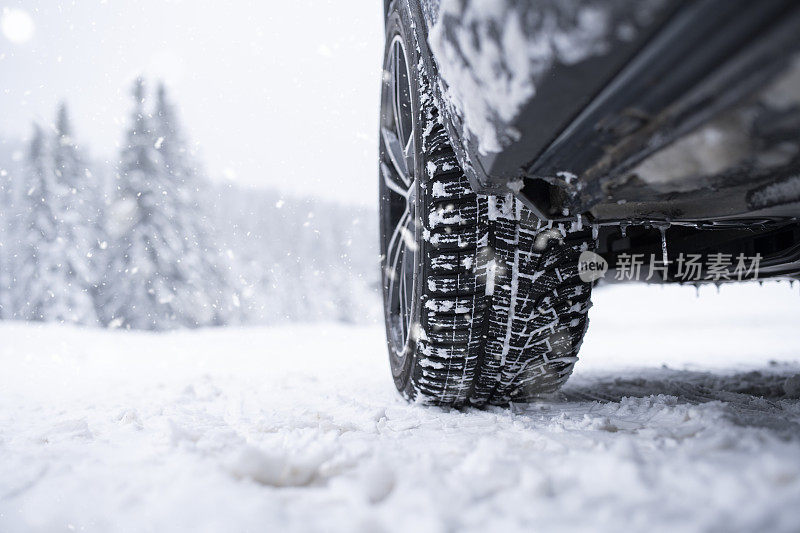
(683, 414)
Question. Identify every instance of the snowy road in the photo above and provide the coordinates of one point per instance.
(682, 413)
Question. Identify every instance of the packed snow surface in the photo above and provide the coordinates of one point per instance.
(683, 414)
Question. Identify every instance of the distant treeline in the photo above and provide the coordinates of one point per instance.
(148, 243)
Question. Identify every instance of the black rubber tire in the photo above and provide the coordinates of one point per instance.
(501, 311)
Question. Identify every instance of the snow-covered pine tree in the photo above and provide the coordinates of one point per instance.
(158, 278)
(42, 283)
(214, 298)
(142, 281)
(8, 213)
(78, 225)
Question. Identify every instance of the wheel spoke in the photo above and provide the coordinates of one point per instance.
(407, 289)
(396, 244)
(401, 266)
(397, 92)
(408, 153)
(396, 155)
(391, 182)
(402, 295)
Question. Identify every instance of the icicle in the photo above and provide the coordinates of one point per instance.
(697, 290)
(595, 231)
(663, 230)
(623, 229)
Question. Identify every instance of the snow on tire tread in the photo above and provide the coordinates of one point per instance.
(503, 320)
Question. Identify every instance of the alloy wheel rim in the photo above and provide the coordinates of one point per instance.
(399, 192)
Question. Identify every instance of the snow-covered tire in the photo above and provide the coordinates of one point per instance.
(491, 308)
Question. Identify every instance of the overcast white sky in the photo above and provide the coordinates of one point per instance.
(275, 93)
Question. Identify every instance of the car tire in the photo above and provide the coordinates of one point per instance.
(482, 301)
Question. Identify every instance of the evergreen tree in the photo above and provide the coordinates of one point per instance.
(41, 278)
(163, 274)
(139, 286)
(79, 230)
(8, 215)
(208, 271)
